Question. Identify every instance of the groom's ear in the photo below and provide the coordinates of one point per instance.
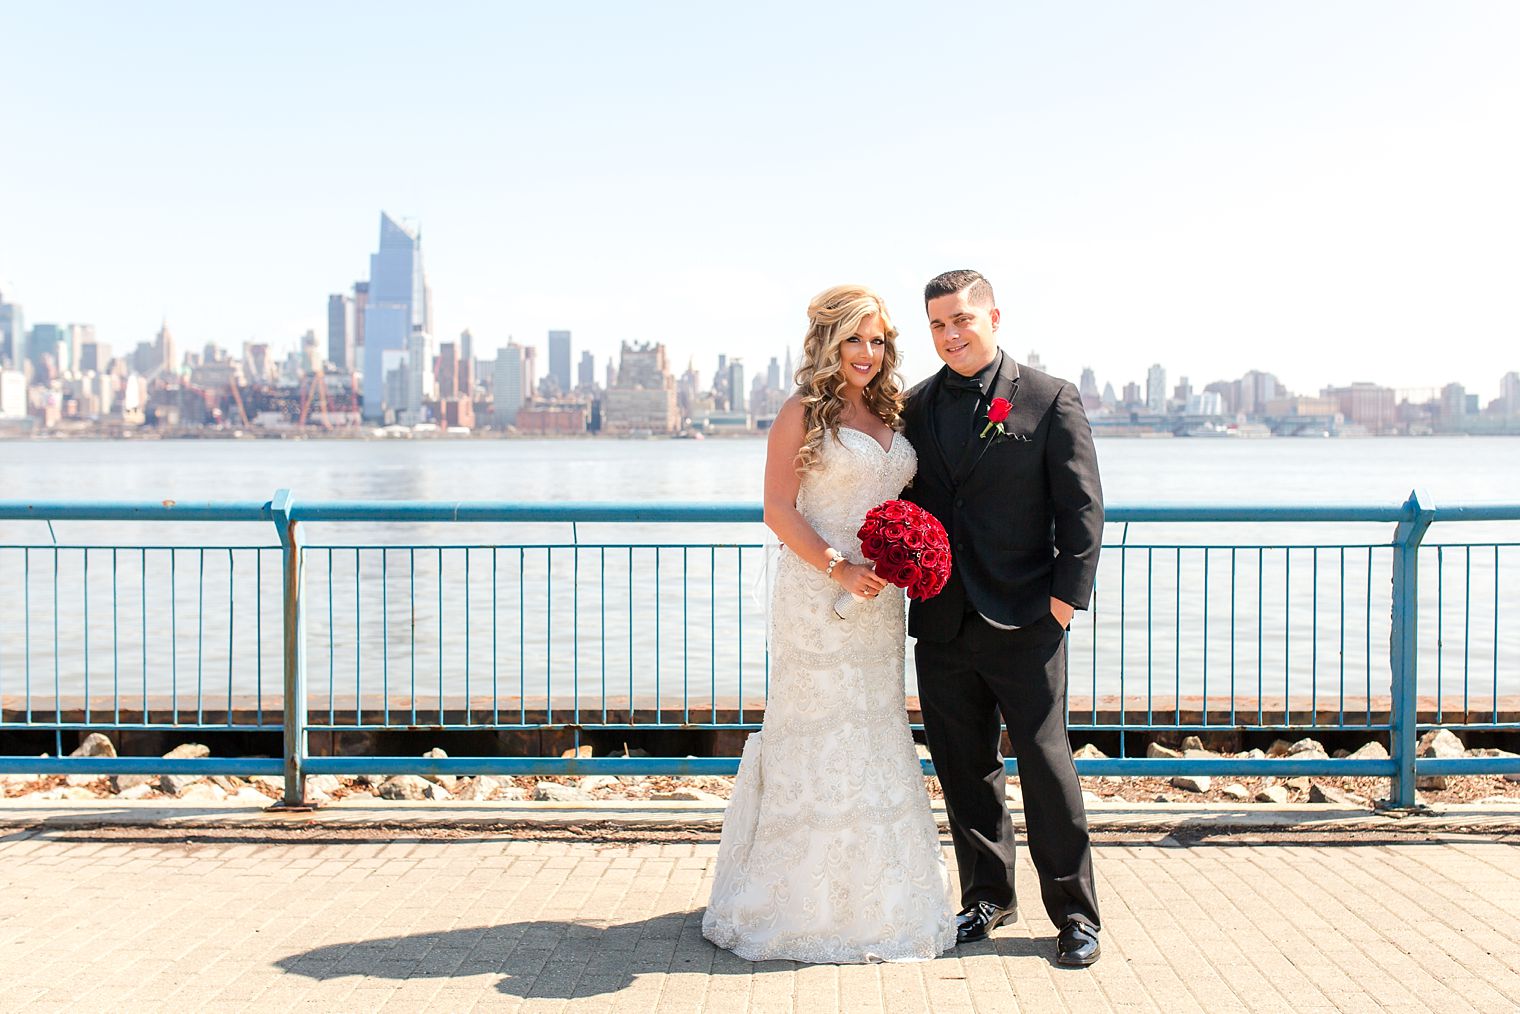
(994, 315)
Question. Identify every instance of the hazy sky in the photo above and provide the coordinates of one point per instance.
(1329, 190)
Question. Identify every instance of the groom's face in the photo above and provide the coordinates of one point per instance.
(965, 334)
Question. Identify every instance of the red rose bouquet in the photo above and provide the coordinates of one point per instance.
(908, 547)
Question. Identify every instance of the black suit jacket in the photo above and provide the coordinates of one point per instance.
(1024, 511)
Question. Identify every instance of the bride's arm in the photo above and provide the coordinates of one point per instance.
(781, 515)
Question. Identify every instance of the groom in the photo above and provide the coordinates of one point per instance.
(1022, 505)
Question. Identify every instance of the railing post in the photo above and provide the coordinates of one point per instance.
(295, 649)
(1404, 646)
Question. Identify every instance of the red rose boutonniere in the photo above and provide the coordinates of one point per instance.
(997, 412)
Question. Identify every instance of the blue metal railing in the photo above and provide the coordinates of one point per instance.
(605, 635)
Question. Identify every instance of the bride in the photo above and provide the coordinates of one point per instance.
(829, 851)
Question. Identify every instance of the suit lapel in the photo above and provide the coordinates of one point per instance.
(1005, 386)
(930, 394)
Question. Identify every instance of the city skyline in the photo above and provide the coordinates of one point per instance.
(1322, 189)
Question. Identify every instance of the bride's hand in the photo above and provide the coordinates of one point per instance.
(859, 580)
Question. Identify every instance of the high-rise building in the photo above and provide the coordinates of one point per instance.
(1132, 394)
(448, 371)
(585, 378)
(1183, 392)
(645, 395)
(1155, 389)
(419, 373)
(1509, 395)
(340, 337)
(559, 359)
(93, 356)
(507, 380)
(1256, 389)
(773, 375)
(736, 389)
(1368, 405)
(789, 380)
(395, 311)
(12, 334)
(310, 357)
(1087, 389)
(163, 348)
(361, 301)
(47, 348)
(466, 385)
(529, 372)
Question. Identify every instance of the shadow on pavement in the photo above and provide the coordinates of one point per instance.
(565, 960)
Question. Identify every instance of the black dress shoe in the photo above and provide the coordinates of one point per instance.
(1077, 946)
(980, 919)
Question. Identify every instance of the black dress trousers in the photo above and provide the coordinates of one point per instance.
(965, 684)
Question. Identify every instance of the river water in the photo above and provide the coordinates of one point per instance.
(408, 615)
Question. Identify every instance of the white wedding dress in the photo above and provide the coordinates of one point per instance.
(829, 851)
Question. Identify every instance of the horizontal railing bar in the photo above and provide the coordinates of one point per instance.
(141, 726)
(533, 545)
(134, 510)
(101, 546)
(1466, 765)
(141, 765)
(612, 511)
(585, 513)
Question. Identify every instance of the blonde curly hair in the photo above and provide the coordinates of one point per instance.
(834, 315)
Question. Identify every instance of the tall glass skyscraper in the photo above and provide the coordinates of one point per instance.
(12, 334)
(559, 360)
(397, 305)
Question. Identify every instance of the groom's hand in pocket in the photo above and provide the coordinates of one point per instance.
(1062, 610)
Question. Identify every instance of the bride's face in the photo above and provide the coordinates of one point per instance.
(862, 353)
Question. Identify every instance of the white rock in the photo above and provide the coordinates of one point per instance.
(325, 784)
(188, 751)
(1235, 791)
(1306, 749)
(1369, 751)
(590, 783)
(95, 745)
(1157, 750)
(1272, 794)
(1440, 743)
(404, 787)
(1253, 754)
(142, 790)
(686, 796)
(1299, 783)
(204, 792)
(556, 793)
(1330, 794)
(121, 783)
(1191, 743)
(477, 790)
(1199, 754)
(1088, 752)
(511, 791)
(1192, 783)
(70, 792)
(177, 785)
(84, 781)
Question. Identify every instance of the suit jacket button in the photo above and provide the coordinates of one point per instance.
(960, 503)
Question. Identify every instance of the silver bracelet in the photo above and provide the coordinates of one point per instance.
(835, 559)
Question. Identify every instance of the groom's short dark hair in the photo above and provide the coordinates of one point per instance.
(977, 288)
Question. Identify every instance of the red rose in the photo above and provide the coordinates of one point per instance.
(868, 529)
(873, 546)
(895, 510)
(893, 531)
(895, 555)
(908, 576)
(998, 410)
(929, 558)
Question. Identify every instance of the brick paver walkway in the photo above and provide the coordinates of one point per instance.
(155, 918)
